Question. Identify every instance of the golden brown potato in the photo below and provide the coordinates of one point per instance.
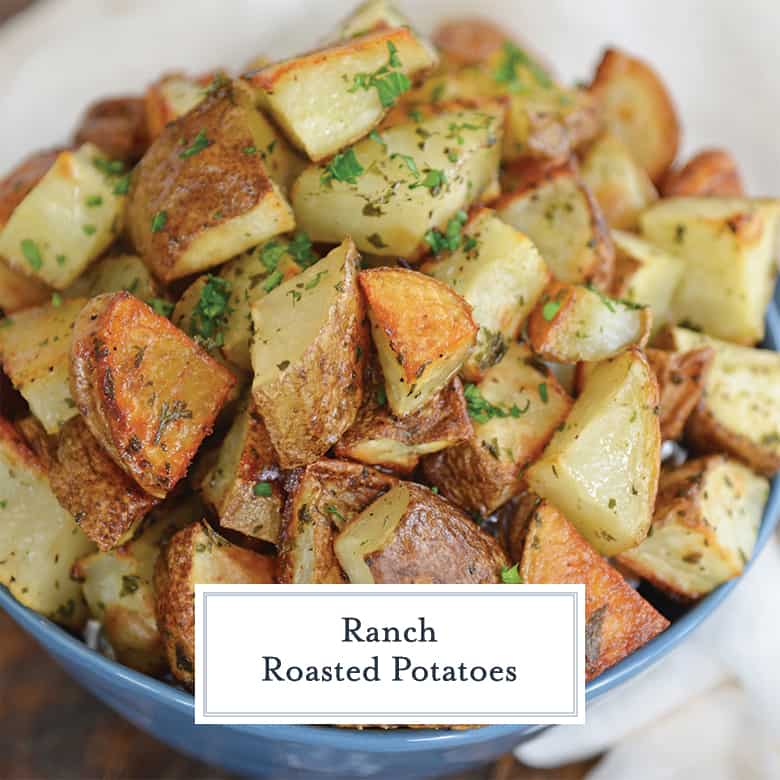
(572, 323)
(710, 172)
(618, 619)
(323, 498)
(704, 529)
(197, 555)
(423, 331)
(172, 96)
(310, 343)
(371, 16)
(556, 210)
(469, 40)
(149, 393)
(202, 193)
(378, 438)
(411, 535)
(117, 126)
(638, 109)
(514, 410)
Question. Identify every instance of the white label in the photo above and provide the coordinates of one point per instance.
(390, 654)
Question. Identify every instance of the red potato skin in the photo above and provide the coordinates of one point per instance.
(711, 172)
(117, 126)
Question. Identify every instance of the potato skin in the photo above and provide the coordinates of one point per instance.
(470, 40)
(710, 172)
(117, 126)
(149, 393)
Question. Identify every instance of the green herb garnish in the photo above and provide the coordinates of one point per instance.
(331, 510)
(543, 392)
(89, 230)
(273, 281)
(390, 84)
(170, 413)
(94, 200)
(451, 238)
(32, 254)
(515, 57)
(550, 309)
(199, 143)
(160, 306)
(345, 167)
(434, 180)
(122, 187)
(159, 220)
(262, 489)
(56, 300)
(510, 575)
(210, 313)
(481, 410)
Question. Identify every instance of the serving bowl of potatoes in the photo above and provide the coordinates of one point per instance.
(397, 309)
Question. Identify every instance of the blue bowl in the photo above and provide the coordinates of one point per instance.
(290, 752)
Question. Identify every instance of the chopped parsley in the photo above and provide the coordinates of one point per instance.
(389, 82)
(543, 392)
(510, 575)
(331, 510)
(416, 115)
(345, 167)
(109, 167)
(312, 283)
(199, 143)
(451, 238)
(169, 414)
(381, 395)
(295, 295)
(61, 259)
(122, 187)
(94, 200)
(550, 309)
(56, 300)
(209, 315)
(374, 136)
(434, 180)
(159, 221)
(515, 57)
(161, 306)
(271, 253)
(32, 254)
(273, 281)
(408, 160)
(300, 248)
(481, 410)
(249, 150)
(434, 490)
(263, 489)
(89, 230)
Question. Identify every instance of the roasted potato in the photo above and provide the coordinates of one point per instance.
(149, 393)
(555, 209)
(310, 343)
(39, 541)
(638, 109)
(197, 555)
(469, 41)
(618, 619)
(515, 410)
(502, 275)
(728, 246)
(330, 98)
(202, 193)
(243, 485)
(411, 535)
(739, 413)
(323, 498)
(572, 323)
(619, 184)
(34, 348)
(401, 192)
(601, 467)
(706, 521)
(67, 219)
(710, 172)
(378, 438)
(371, 16)
(117, 126)
(173, 95)
(115, 273)
(423, 332)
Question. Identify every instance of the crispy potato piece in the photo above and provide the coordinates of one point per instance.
(422, 330)
(38, 539)
(638, 109)
(380, 439)
(572, 323)
(202, 194)
(117, 126)
(197, 555)
(115, 273)
(119, 591)
(149, 394)
(67, 219)
(174, 95)
(555, 209)
(243, 485)
(601, 468)
(704, 529)
(371, 16)
(311, 337)
(500, 273)
(619, 184)
(681, 377)
(34, 348)
(619, 620)
(739, 413)
(328, 99)
(710, 172)
(437, 175)
(104, 501)
(411, 535)
(515, 410)
(323, 498)
(728, 246)
(469, 40)
(646, 274)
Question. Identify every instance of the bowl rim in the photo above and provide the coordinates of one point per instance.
(50, 635)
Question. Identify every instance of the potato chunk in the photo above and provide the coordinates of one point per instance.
(601, 468)
(619, 620)
(332, 97)
(115, 273)
(38, 539)
(515, 410)
(470, 40)
(308, 353)
(149, 394)
(67, 219)
(728, 246)
(399, 196)
(710, 172)
(411, 535)
(704, 529)
(501, 274)
(323, 498)
(578, 323)
(638, 109)
(739, 413)
(202, 193)
(422, 330)
(117, 126)
(555, 209)
(372, 16)
(34, 347)
(197, 555)
(173, 95)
